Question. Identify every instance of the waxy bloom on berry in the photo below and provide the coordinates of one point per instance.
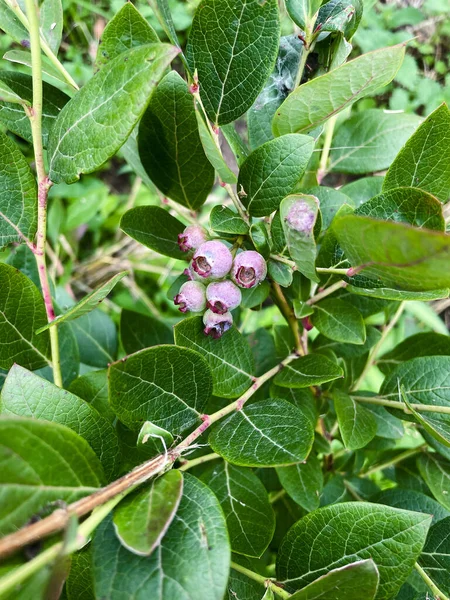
(191, 238)
(249, 269)
(191, 297)
(222, 296)
(212, 260)
(216, 325)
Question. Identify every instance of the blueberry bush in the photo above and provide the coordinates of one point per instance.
(224, 277)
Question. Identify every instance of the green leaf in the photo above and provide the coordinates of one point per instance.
(255, 296)
(212, 151)
(280, 273)
(21, 313)
(370, 140)
(225, 220)
(426, 380)
(260, 238)
(18, 199)
(161, 8)
(7, 95)
(335, 536)
(237, 144)
(245, 504)
(93, 387)
(436, 432)
(277, 88)
(435, 557)
(388, 426)
(27, 395)
(267, 433)
(399, 255)
(192, 561)
(330, 201)
(153, 436)
(79, 584)
(224, 39)
(412, 500)
(339, 320)
(142, 519)
(356, 424)
(435, 470)
(313, 369)
(414, 346)
(95, 123)
(422, 162)
(126, 30)
(23, 57)
(340, 15)
(272, 171)
(166, 385)
(390, 294)
(138, 331)
(405, 205)
(88, 303)
(169, 144)
(363, 189)
(339, 88)
(42, 463)
(355, 581)
(242, 587)
(155, 228)
(230, 358)
(299, 231)
(303, 482)
(11, 24)
(303, 12)
(51, 23)
(97, 339)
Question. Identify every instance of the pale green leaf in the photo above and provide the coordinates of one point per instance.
(23, 57)
(191, 563)
(214, 154)
(8, 95)
(313, 369)
(226, 37)
(42, 463)
(313, 103)
(303, 12)
(267, 433)
(229, 358)
(95, 123)
(11, 25)
(245, 504)
(142, 519)
(391, 294)
(51, 23)
(166, 385)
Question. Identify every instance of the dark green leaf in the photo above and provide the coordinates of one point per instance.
(272, 171)
(267, 433)
(356, 424)
(7, 95)
(370, 140)
(405, 205)
(388, 426)
(93, 387)
(255, 296)
(193, 557)
(97, 339)
(225, 220)
(420, 344)
(303, 482)
(169, 144)
(280, 273)
(422, 162)
(439, 433)
(138, 331)
(126, 30)
(224, 39)
(42, 462)
(142, 519)
(79, 584)
(18, 198)
(95, 123)
(339, 88)
(21, 313)
(399, 255)
(27, 395)
(340, 15)
(339, 320)
(155, 228)
(355, 581)
(166, 385)
(436, 472)
(435, 557)
(260, 238)
(245, 503)
(242, 587)
(338, 535)
(230, 358)
(313, 369)
(88, 303)
(412, 500)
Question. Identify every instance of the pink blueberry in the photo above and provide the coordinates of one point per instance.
(191, 238)
(191, 297)
(249, 269)
(222, 296)
(212, 260)
(215, 324)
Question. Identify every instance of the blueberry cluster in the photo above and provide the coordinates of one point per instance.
(215, 278)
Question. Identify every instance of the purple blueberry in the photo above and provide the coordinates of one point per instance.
(216, 325)
(249, 269)
(222, 296)
(191, 238)
(191, 297)
(212, 260)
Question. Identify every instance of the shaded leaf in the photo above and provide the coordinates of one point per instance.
(93, 387)
(412, 500)
(303, 482)
(436, 472)
(211, 148)
(138, 331)
(303, 12)
(435, 557)
(414, 346)
(97, 339)
(339, 320)
(356, 424)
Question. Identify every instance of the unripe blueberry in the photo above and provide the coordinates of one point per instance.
(216, 325)
(212, 260)
(222, 296)
(191, 297)
(191, 238)
(249, 269)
